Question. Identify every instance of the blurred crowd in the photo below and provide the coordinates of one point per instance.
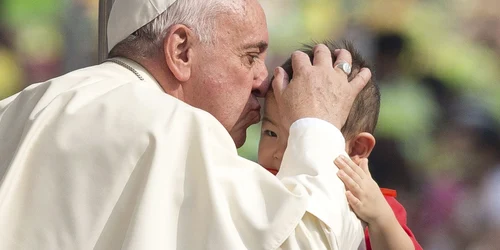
(440, 148)
(437, 64)
(43, 39)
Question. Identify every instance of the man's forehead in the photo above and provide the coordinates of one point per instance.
(251, 29)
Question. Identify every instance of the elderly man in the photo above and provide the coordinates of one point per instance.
(135, 153)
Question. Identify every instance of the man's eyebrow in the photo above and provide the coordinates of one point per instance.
(266, 119)
(262, 46)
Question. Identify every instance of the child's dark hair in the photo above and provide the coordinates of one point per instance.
(365, 109)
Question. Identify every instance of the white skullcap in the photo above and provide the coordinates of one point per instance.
(127, 16)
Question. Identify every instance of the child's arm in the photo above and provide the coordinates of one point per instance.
(365, 198)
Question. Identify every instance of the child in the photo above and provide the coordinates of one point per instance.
(371, 204)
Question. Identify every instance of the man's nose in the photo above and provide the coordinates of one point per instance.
(261, 82)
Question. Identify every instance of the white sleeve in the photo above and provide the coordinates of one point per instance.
(308, 161)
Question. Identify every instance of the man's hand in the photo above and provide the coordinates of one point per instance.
(318, 90)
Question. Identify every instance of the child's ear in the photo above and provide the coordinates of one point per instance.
(361, 146)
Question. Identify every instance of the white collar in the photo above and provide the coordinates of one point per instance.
(135, 68)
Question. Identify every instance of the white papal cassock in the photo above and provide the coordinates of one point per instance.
(98, 159)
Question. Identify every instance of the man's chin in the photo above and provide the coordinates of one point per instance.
(239, 131)
(239, 138)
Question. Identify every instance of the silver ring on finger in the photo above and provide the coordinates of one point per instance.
(346, 67)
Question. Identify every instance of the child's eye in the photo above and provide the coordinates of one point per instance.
(270, 133)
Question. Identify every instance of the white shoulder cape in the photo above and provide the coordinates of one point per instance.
(98, 159)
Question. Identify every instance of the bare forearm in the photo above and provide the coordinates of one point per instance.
(389, 235)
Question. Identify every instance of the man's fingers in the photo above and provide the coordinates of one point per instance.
(322, 56)
(343, 56)
(361, 79)
(300, 60)
(279, 84)
(280, 81)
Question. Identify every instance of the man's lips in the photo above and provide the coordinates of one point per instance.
(256, 107)
(255, 114)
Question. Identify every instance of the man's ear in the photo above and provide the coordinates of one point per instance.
(178, 49)
(361, 146)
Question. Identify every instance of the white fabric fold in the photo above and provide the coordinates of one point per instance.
(98, 159)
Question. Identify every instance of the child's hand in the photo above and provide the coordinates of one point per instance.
(363, 193)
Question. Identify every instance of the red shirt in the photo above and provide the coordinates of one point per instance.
(400, 212)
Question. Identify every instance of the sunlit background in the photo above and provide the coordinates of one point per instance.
(437, 63)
